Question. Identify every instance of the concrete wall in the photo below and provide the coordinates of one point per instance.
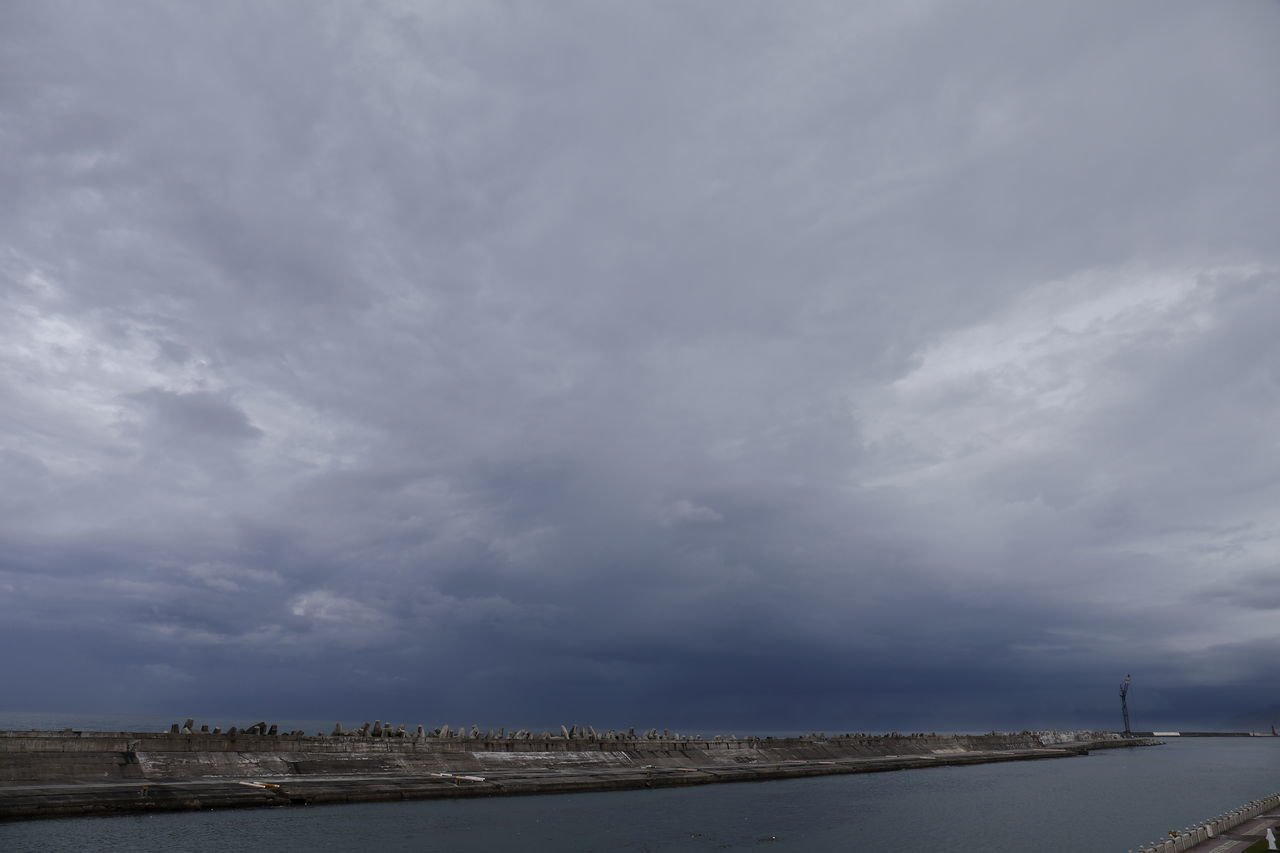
(94, 756)
(1193, 835)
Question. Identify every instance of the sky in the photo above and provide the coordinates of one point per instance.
(812, 365)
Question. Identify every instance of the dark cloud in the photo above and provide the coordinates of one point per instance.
(195, 414)
(829, 365)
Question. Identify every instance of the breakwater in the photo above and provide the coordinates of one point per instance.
(1198, 837)
(51, 774)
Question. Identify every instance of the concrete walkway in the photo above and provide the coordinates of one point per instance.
(1231, 832)
(1240, 837)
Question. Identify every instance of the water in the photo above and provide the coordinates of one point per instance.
(1106, 802)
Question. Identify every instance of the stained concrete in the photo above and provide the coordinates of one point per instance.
(53, 774)
(1232, 832)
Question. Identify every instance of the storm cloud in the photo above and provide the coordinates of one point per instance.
(809, 365)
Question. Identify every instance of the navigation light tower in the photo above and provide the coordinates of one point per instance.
(1124, 702)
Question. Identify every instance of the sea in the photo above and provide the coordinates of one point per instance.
(1110, 801)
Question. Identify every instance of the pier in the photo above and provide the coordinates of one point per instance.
(1233, 832)
(55, 774)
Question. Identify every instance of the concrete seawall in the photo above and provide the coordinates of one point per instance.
(52, 774)
(1216, 834)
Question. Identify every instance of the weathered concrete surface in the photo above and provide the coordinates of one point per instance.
(47, 774)
(1233, 832)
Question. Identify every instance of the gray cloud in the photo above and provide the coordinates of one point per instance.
(671, 361)
(195, 414)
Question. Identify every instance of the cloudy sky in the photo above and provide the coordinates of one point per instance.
(830, 365)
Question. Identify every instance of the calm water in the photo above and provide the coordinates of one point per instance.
(1107, 802)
